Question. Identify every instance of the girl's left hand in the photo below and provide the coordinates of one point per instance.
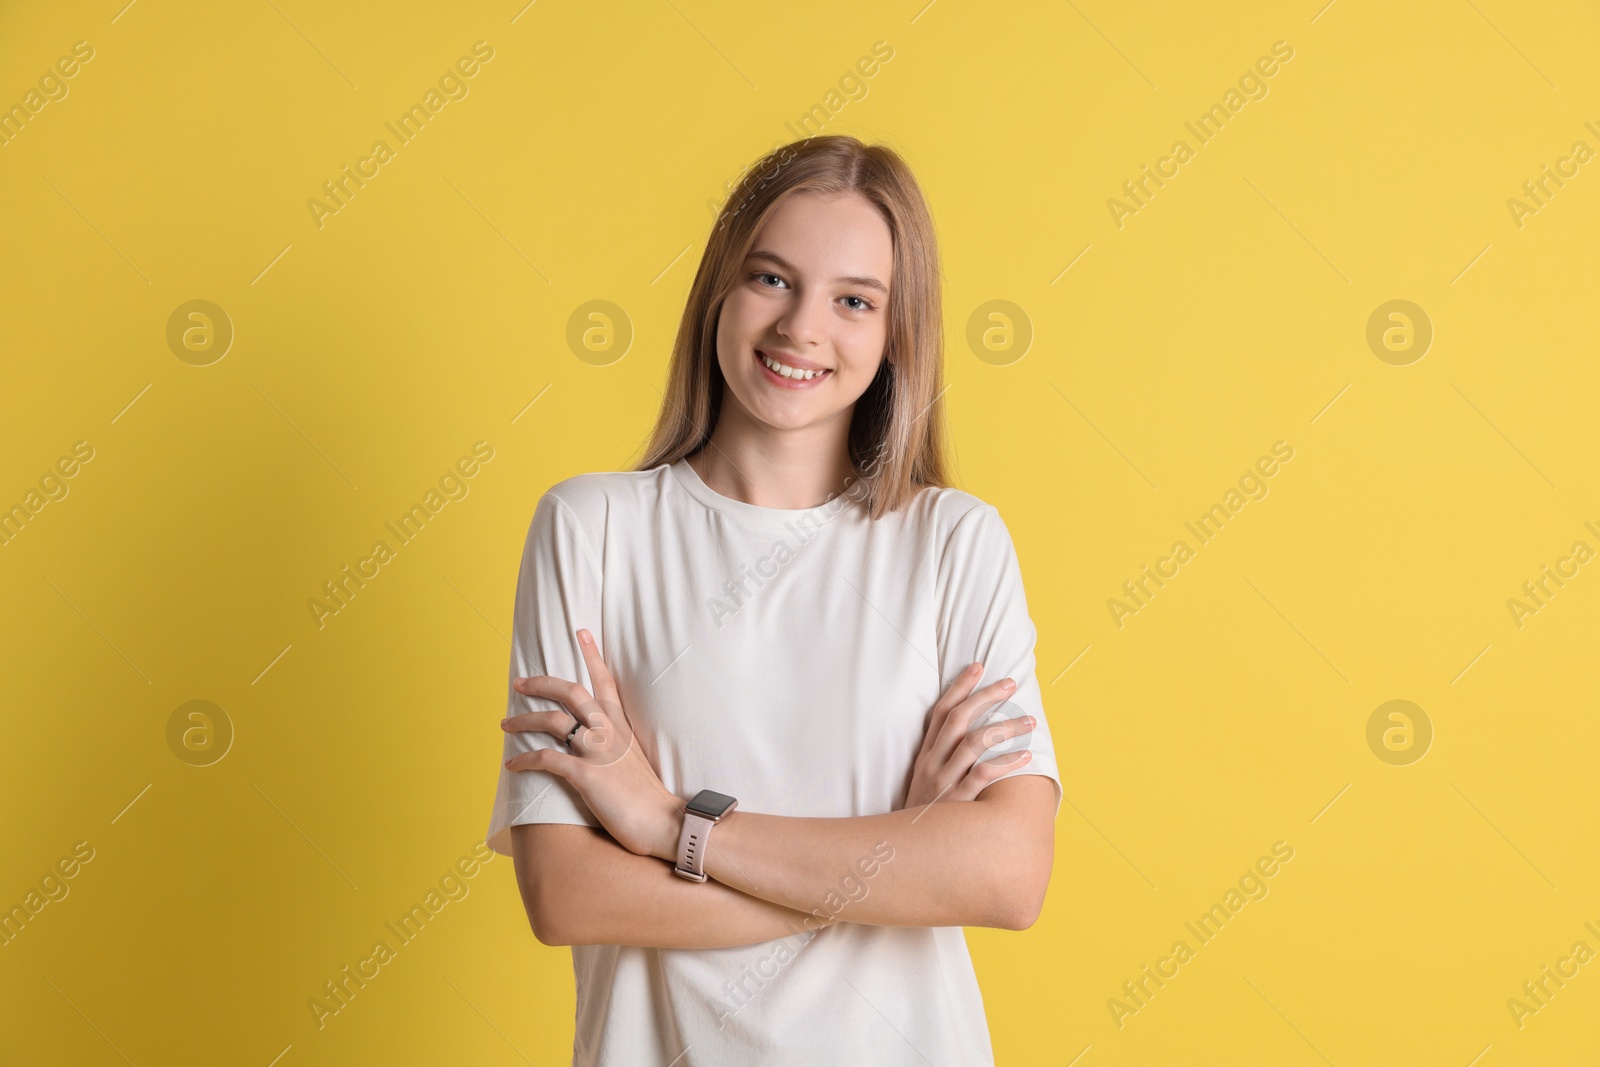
(609, 770)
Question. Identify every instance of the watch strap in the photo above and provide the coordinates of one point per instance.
(692, 842)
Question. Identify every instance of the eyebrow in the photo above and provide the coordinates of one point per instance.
(866, 282)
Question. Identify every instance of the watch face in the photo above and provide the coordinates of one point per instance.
(711, 804)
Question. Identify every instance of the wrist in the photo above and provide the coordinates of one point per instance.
(669, 823)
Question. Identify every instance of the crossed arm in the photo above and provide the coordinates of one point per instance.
(977, 854)
(984, 862)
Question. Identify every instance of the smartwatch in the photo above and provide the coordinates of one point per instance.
(699, 816)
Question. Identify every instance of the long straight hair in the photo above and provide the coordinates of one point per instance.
(896, 441)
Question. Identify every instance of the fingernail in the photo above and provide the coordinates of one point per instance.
(585, 637)
(504, 721)
(1028, 719)
(507, 763)
(974, 669)
(1008, 684)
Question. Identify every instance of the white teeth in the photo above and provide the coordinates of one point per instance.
(787, 371)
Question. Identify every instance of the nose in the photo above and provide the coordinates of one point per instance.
(802, 322)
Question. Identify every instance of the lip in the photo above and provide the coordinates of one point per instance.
(790, 383)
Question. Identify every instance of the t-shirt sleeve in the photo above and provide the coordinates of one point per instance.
(558, 593)
(983, 618)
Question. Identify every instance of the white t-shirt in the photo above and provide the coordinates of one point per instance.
(788, 658)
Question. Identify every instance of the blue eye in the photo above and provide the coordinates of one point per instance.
(760, 277)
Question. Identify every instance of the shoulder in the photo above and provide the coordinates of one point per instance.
(965, 536)
(948, 514)
(595, 499)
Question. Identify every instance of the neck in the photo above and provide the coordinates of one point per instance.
(788, 469)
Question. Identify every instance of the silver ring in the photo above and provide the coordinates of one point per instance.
(572, 734)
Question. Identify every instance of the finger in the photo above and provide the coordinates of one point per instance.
(949, 772)
(955, 694)
(983, 774)
(570, 694)
(555, 723)
(607, 710)
(605, 687)
(980, 741)
(604, 741)
(959, 721)
(552, 760)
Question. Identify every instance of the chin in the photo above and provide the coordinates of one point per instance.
(790, 416)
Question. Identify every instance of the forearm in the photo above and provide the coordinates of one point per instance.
(971, 863)
(582, 888)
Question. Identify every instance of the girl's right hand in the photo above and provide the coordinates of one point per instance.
(947, 766)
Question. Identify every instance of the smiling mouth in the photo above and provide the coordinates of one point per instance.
(788, 375)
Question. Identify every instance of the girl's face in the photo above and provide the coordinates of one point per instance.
(813, 295)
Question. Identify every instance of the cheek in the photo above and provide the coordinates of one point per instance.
(730, 334)
(736, 324)
(863, 353)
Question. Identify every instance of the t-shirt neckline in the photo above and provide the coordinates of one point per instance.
(695, 486)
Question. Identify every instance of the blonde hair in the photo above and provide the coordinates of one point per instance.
(896, 439)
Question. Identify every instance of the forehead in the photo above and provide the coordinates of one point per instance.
(825, 237)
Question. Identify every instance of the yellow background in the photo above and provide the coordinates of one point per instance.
(369, 354)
